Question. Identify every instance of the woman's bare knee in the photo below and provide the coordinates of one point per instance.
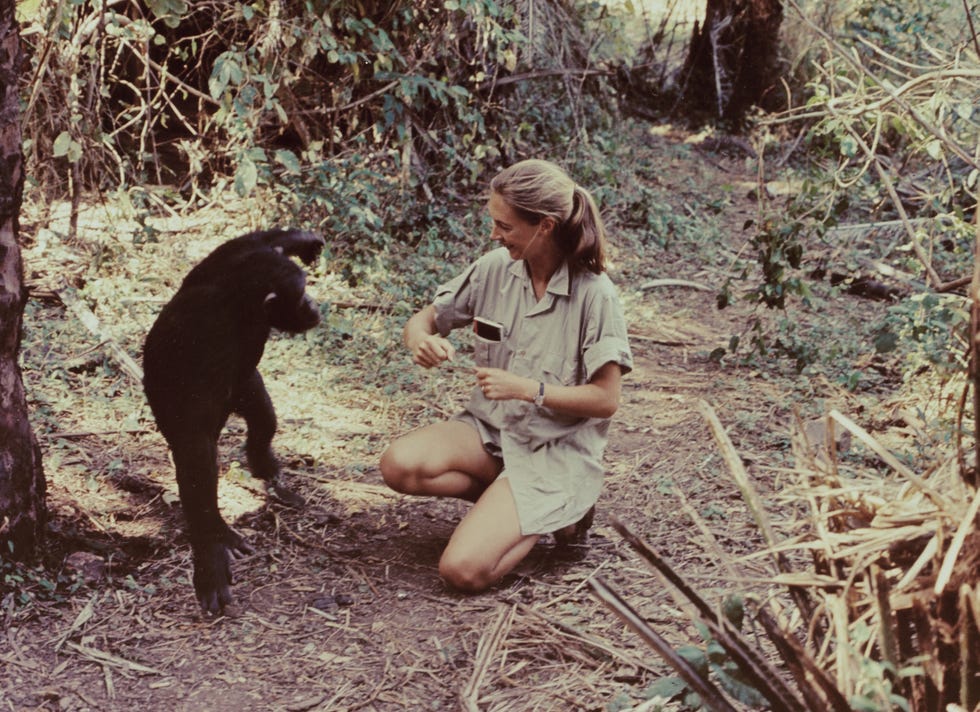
(445, 459)
(464, 574)
(395, 471)
(392, 471)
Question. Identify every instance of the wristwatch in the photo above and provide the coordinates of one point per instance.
(539, 398)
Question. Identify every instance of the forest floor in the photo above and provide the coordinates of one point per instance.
(341, 608)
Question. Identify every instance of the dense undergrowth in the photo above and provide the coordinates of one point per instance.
(380, 123)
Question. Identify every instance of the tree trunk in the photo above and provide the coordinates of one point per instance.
(732, 61)
(22, 485)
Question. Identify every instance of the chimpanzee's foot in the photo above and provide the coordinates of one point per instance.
(262, 463)
(282, 494)
(212, 577)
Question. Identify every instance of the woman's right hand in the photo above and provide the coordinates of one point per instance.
(431, 350)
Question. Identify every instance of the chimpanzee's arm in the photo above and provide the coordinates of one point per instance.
(299, 243)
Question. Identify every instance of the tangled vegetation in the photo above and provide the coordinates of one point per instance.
(885, 153)
(369, 121)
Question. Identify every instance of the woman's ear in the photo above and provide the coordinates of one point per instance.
(548, 224)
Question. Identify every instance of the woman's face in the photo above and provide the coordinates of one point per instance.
(512, 231)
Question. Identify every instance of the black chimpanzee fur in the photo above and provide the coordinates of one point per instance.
(199, 363)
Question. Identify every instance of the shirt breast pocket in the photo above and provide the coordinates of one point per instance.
(557, 369)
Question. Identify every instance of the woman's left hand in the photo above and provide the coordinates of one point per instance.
(498, 384)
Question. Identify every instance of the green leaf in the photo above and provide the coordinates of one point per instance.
(714, 650)
(226, 71)
(289, 161)
(246, 177)
(170, 11)
(666, 688)
(739, 689)
(697, 658)
(886, 341)
(733, 608)
(864, 704)
(61, 144)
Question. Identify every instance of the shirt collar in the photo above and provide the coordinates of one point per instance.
(559, 284)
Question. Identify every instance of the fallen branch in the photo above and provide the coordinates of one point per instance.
(669, 282)
(765, 679)
(104, 658)
(662, 342)
(712, 698)
(91, 322)
(803, 667)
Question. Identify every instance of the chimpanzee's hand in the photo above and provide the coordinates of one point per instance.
(298, 243)
(212, 570)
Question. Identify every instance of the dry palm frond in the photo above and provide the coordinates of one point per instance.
(894, 581)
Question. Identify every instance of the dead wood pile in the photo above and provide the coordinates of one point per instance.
(888, 609)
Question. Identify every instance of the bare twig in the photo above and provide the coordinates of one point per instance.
(893, 94)
(864, 436)
(972, 477)
(899, 207)
(966, 525)
(489, 643)
(752, 499)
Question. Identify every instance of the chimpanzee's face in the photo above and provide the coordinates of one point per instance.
(290, 308)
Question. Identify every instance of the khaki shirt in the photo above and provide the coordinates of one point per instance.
(553, 460)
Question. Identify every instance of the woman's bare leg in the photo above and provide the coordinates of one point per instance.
(444, 459)
(488, 542)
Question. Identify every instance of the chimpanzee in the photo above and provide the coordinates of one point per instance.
(199, 364)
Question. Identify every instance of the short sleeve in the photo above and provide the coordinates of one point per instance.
(461, 298)
(454, 301)
(605, 339)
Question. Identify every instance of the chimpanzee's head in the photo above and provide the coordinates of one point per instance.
(288, 306)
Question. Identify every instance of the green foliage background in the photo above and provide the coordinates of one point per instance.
(373, 122)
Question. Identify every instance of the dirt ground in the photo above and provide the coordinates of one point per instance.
(342, 607)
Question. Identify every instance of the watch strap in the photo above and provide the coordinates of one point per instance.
(539, 398)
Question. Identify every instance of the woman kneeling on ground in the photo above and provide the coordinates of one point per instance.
(550, 353)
